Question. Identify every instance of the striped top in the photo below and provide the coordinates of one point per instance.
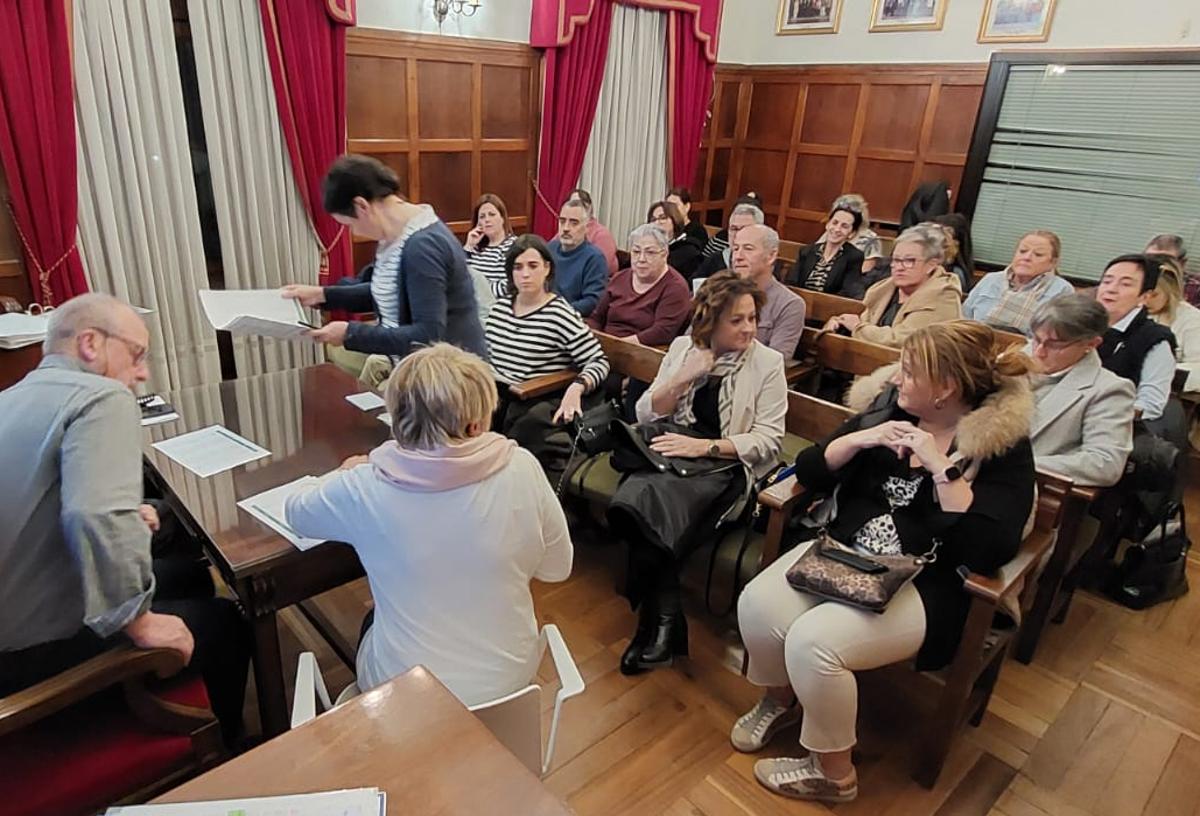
(385, 280)
(489, 262)
(549, 339)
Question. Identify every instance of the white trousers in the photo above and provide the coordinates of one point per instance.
(815, 646)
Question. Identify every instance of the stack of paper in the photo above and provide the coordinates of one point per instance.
(18, 329)
(254, 311)
(357, 802)
(366, 401)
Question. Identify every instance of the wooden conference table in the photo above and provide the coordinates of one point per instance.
(302, 417)
(410, 737)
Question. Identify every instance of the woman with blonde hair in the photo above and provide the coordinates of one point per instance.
(938, 460)
(451, 522)
(715, 411)
(1007, 299)
(1166, 306)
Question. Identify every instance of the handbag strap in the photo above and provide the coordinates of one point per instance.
(562, 479)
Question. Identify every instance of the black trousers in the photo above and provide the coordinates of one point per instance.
(185, 589)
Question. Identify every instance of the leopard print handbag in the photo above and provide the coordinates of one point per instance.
(816, 573)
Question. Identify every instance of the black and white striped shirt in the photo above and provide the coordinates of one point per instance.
(489, 262)
(549, 339)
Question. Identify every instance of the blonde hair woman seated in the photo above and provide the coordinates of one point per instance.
(918, 293)
(1166, 306)
(939, 453)
(451, 522)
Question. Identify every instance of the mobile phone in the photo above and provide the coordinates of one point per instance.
(855, 561)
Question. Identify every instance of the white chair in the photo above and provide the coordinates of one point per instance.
(515, 719)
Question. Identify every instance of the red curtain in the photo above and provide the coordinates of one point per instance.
(37, 144)
(691, 61)
(575, 36)
(306, 46)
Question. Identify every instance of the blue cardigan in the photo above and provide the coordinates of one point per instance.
(435, 294)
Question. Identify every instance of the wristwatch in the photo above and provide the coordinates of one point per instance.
(948, 475)
(715, 448)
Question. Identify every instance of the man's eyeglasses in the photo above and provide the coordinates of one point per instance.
(136, 350)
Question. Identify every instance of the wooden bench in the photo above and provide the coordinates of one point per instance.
(820, 306)
(1050, 589)
(835, 352)
(967, 683)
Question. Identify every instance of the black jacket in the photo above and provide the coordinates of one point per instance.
(1124, 352)
(980, 540)
(684, 256)
(847, 268)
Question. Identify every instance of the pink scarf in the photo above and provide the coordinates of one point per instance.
(444, 468)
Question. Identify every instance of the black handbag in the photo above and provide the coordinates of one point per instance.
(593, 428)
(632, 452)
(1154, 569)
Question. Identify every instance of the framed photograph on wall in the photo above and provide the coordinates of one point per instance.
(809, 16)
(908, 15)
(1009, 21)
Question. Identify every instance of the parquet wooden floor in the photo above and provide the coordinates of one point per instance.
(1106, 722)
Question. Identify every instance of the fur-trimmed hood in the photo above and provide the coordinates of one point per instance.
(1001, 421)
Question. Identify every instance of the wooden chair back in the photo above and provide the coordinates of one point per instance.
(815, 419)
(820, 306)
(790, 250)
(630, 359)
(847, 354)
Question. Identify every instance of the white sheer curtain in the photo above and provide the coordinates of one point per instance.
(139, 226)
(266, 240)
(625, 167)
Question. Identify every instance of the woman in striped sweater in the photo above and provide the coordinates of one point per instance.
(531, 331)
(486, 245)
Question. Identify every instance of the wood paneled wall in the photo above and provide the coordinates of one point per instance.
(801, 135)
(13, 280)
(454, 117)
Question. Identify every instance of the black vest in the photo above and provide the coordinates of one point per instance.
(1123, 352)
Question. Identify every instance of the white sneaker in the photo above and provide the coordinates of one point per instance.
(754, 729)
(802, 779)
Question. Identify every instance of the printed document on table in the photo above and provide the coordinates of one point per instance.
(267, 507)
(254, 311)
(211, 450)
(357, 802)
(366, 401)
(18, 329)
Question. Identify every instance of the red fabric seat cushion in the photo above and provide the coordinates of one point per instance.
(92, 754)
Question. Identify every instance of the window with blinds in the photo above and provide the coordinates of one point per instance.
(1104, 155)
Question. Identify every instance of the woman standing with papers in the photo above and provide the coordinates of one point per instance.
(418, 287)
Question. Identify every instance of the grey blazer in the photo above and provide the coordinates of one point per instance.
(1083, 424)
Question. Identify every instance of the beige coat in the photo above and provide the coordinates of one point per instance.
(759, 409)
(935, 301)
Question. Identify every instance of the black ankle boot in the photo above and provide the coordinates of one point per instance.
(667, 641)
(633, 652)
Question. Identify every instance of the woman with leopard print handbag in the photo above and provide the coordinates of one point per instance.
(939, 458)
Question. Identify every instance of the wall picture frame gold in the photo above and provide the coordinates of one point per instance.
(809, 16)
(1016, 21)
(908, 15)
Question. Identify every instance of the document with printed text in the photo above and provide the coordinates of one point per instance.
(211, 450)
(267, 507)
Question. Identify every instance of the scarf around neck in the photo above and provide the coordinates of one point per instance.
(727, 367)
